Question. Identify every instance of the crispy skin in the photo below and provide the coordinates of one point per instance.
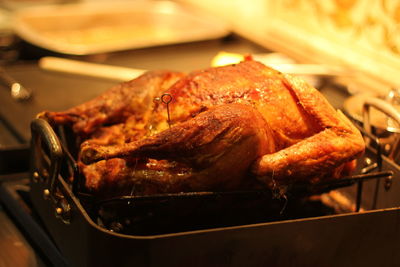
(200, 153)
(334, 146)
(117, 104)
(228, 125)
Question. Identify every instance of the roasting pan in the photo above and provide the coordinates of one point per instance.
(215, 228)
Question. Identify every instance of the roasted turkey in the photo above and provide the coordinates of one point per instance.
(227, 128)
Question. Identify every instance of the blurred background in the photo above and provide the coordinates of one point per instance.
(359, 34)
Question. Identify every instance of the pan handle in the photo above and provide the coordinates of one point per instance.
(387, 109)
(47, 152)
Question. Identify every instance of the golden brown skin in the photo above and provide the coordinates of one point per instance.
(201, 152)
(117, 105)
(228, 125)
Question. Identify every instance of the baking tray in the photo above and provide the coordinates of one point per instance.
(92, 27)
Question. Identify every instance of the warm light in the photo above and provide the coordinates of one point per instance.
(225, 58)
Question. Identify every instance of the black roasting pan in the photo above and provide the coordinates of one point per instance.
(369, 237)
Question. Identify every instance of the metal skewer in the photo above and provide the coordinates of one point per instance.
(166, 99)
